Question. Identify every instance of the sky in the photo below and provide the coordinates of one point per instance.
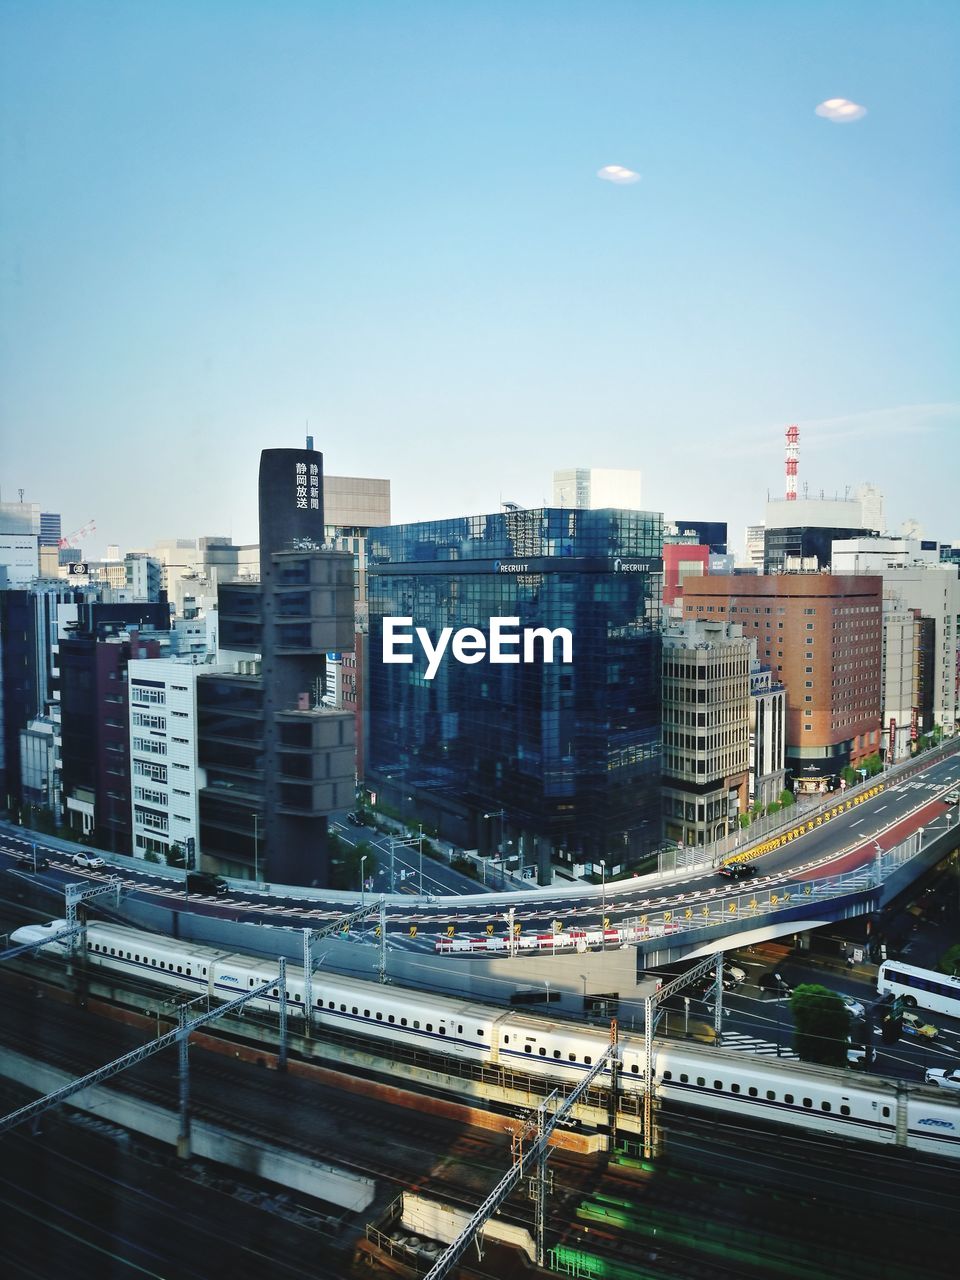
(392, 223)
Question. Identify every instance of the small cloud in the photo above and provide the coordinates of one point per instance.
(617, 173)
(841, 110)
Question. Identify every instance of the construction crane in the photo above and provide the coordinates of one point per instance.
(73, 539)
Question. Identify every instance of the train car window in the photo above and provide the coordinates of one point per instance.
(684, 1078)
(179, 968)
(771, 1096)
(825, 1106)
(343, 1008)
(543, 1053)
(129, 956)
(587, 1060)
(527, 1048)
(844, 1110)
(480, 1032)
(788, 1099)
(188, 972)
(572, 1057)
(442, 1030)
(556, 1053)
(331, 1005)
(137, 958)
(701, 1081)
(718, 1084)
(635, 1069)
(416, 1024)
(403, 1022)
(808, 1102)
(379, 1017)
(506, 1039)
(154, 963)
(885, 1112)
(734, 1088)
(90, 946)
(366, 1013)
(391, 1018)
(204, 973)
(753, 1092)
(276, 991)
(354, 1010)
(297, 998)
(429, 1026)
(112, 952)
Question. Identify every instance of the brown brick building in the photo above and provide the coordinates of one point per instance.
(822, 636)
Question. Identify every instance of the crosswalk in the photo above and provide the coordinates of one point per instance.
(753, 1044)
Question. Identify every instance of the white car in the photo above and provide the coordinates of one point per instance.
(735, 972)
(945, 1079)
(84, 859)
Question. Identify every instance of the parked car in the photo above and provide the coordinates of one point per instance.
(735, 973)
(205, 882)
(85, 859)
(914, 1025)
(943, 1079)
(773, 983)
(737, 870)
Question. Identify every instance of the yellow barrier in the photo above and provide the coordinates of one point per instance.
(776, 842)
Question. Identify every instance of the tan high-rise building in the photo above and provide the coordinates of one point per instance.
(822, 637)
(706, 715)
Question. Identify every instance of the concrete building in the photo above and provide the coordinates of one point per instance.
(798, 534)
(144, 576)
(706, 714)
(19, 560)
(39, 774)
(94, 726)
(822, 636)
(704, 533)
(165, 776)
(768, 734)
(917, 581)
(594, 488)
(277, 761)
(680, 562)
(753, 547)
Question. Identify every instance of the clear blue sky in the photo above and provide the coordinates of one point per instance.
(219, 221)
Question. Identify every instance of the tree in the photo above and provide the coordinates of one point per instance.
(744, 820)
(850, 776)
(787, 798)
(822, 1025)
(950, 960)
(774, 806)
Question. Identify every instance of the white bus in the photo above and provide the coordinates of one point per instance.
(936, 992)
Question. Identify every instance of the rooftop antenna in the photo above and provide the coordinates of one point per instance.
(20, 491)
(792, 461)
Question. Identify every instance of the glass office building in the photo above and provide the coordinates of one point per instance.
(543, 761)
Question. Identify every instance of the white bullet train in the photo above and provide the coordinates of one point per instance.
(829, 1101)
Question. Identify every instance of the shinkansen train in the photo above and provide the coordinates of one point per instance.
(813, 1098)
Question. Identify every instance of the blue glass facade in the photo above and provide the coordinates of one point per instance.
(569, 752)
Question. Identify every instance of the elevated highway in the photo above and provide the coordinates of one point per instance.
(826, 865)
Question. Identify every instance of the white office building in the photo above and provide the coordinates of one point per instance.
(595, 488)
(165, 779)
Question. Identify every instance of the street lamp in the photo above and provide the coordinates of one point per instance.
(501, 814)
(363, 859)
(256, 848)
(603, 891)
(879, 861)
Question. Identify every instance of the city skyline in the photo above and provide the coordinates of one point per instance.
(466, 247)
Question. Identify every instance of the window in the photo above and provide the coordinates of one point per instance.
(734, 1088)
(788, 1099)
(718, 1084)
(701, 1081)
(771, 1096)
(808, 1102)
(753, 1093)
(684, 1078)
(825, 1106)
(844, 1109)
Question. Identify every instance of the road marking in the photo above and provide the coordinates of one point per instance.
(752, 1044)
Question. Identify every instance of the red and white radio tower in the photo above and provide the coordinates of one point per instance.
(792, 460)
